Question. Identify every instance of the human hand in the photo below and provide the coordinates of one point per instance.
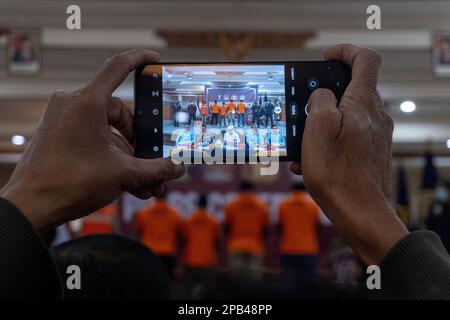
(347, 157)
(75, 163)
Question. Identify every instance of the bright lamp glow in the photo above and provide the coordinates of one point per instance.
(17, 140)
(448, 143)
(408, 106)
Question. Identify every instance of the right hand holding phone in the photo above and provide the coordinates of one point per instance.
(347, 157)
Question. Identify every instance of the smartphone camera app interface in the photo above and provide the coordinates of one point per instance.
(246, 110)
(235, 107)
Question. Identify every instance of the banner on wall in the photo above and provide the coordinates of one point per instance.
(247, 94)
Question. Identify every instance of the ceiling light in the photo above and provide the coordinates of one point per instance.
(408, 106)
(17, 140)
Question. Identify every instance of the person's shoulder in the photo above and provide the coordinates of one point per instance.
(144, 215)
(231, 205)
(174, 213)
(143, 211)
(257, 200)
(260, 203)
(187, 221)
(285, 202)
(310, 201)
(233, 201)
(211, 219)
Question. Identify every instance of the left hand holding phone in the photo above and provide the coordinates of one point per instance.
(75, 164)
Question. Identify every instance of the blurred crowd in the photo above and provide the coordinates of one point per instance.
(301, 255)
(200, 252)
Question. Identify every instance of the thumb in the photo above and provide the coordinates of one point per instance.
(322, 101)
(324, 118)
(322, 114)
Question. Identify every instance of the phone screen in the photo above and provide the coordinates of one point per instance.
(246, 110)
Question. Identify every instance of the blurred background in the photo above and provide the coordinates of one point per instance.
(38, 55)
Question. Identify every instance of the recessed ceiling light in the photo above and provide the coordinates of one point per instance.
(17, 140)
(408, 106)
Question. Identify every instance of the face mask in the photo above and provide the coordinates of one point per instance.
(441, 194)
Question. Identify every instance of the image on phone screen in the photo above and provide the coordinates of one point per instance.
(243, 110)
(224, 107)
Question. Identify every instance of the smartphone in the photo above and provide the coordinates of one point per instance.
(221, 111)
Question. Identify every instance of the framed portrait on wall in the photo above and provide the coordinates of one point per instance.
(24, 54)
(441, 53)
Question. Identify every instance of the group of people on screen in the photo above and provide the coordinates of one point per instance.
(231, 138)
(227, 113)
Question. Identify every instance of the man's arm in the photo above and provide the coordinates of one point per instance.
(74, 165)
(347, 168)
(417, 267)
(27, 269)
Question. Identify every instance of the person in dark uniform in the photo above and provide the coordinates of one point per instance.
(255, 113)
(269, 113)
(191, 109)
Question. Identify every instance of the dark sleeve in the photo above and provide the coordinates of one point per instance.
(418, 267)
(27, 269)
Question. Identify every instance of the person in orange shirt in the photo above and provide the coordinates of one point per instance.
(231, 112)
(158, 227)
(203, 113)
(246, 222)
(241, 112)
(200, 233)
(102, 221)
(222, 115)
(299, 235)
(214, 113)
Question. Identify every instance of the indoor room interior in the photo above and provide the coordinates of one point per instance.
(414, 92)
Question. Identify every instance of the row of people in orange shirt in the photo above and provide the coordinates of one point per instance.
(223, 108)
(159, 227)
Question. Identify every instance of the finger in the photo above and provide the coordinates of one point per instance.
(322, 102)
(296, 168)
(120, 117)
(324, 119)
(158, 191)
(117, 68)
(151, 172)
(365, 62)
(120, 142)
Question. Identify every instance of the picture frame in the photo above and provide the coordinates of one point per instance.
(441, 53)
(24, 52)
